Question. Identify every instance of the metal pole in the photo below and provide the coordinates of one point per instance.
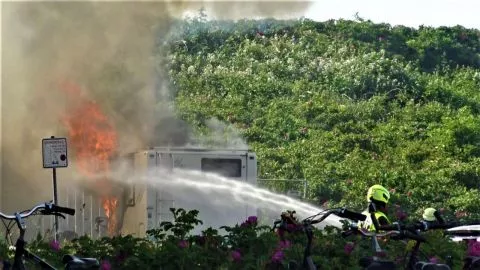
(100, 215)
(75, 219)
(55, 200)
(91, 216)
(67, 202)
(82, 222)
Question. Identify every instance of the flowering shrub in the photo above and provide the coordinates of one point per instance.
(244, 246)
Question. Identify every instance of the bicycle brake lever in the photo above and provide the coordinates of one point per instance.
(49, 212)
(59, 215)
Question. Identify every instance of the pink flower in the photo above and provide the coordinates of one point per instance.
(473, 248)
(381, 254)
(284, 244)
(252, 220)
(105, 265)
(236, 256)
(55, 245)
(401, 215)
(294, 227)
(183, 244)
(278, 256)
(434, 260)
(348, 248)
(291, 227)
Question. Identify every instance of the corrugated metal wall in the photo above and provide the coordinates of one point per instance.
(89, 218)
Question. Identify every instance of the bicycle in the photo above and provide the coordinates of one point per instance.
(455, 229)
(307, 227)
(71, 262)
(401, 231)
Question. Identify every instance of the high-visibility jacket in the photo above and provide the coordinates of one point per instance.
(368, 224)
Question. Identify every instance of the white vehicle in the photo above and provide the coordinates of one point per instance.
(147, 206)
(467, 232)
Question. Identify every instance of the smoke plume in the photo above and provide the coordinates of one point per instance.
(106, 50)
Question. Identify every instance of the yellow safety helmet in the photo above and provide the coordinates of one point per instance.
(378, 193)
(429, 214)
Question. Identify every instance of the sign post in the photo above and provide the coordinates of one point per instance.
(54, 151)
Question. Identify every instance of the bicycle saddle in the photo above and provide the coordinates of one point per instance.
(73, 262)
(368, 263)
(472, 262)
(431, 266)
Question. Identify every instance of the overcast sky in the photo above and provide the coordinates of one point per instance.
(406, 12)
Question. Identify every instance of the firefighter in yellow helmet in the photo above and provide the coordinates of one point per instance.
(431, 215)
(378, 196)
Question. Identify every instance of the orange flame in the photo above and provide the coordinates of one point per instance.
(110, 205)
(94, 139)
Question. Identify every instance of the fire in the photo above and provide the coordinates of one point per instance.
(94, 139)
(110, 204)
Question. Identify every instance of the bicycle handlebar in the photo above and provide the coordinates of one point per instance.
(341, 212)
(45, 208)
(405, 230)
(425, 226)
(345, 213)
(391, 231)
(64, 210)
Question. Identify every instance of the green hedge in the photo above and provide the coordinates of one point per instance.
(244, 246)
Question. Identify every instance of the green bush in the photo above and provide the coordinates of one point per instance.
(244, 246)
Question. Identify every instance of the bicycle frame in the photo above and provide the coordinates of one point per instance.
(20, 251)
(404, 232)
(307, 228)
(307, 257)
(413, 258)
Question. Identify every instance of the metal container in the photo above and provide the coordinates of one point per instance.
(143, 206)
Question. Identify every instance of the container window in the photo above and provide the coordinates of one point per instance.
(222, 166)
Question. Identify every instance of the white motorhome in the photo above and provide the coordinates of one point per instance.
(148, 205)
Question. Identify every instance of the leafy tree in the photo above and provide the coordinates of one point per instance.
(344, 104)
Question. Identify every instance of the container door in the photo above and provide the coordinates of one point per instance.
(164, 199)
(150, 191)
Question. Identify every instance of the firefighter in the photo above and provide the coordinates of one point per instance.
(377, 196)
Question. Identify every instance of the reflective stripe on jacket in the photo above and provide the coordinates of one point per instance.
(368, 224)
